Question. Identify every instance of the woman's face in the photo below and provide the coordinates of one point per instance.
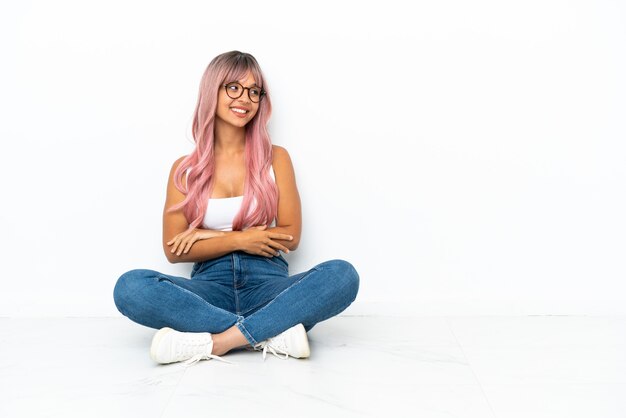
(225, 104)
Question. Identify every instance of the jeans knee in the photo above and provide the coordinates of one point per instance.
(346, 277)
(127, 285)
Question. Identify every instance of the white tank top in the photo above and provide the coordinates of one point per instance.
(222, 211)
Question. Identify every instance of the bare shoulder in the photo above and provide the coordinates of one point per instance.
(177, 162)
(280, 156)
(283, 167)
(175, 166)
(277, 150)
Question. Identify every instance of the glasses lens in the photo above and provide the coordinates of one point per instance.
(234, 90)
(255, 94)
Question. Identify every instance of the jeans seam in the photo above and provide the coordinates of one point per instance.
(246, 334)
(232, 263)
(166, 279)
(286, 290)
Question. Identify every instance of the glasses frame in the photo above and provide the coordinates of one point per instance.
(225, 85)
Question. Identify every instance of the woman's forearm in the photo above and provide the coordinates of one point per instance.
(226, 242)
(207, 249)
(291, 244)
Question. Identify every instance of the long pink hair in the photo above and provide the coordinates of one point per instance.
(260, 202)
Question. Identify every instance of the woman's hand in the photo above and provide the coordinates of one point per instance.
(186, 239)
(256, 241)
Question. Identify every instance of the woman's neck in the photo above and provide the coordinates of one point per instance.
(229, 139)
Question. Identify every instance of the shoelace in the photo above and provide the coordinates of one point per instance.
(191, 347)
(273, 344)
(201, 356)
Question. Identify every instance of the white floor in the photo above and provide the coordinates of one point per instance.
(503, 367)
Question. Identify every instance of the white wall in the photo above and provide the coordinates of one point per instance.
(466, 157)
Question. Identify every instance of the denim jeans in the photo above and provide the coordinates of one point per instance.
(253, 292)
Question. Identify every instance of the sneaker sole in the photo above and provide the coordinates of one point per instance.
(156, 340)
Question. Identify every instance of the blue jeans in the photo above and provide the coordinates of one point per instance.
(253, 292)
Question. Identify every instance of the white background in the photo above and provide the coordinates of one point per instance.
(466, 157)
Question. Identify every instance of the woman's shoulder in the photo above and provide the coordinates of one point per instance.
(175, 167)
(279, 154)
(177, 162)
(281, 162)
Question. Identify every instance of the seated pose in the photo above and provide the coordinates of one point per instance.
(232, 207)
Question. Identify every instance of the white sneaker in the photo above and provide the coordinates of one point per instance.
(169, 346)
(292, 342)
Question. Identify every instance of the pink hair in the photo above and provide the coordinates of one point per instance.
(258, 186)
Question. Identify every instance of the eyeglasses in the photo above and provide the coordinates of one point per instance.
(235, 90)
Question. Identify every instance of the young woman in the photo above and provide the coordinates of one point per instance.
(232, 207)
